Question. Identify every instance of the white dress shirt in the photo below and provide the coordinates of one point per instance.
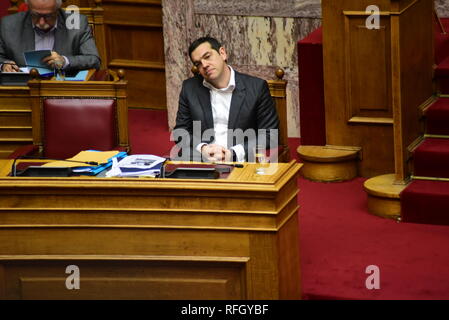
(220, 100)
(46, 40)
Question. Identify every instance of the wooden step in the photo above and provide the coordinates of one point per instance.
(16, 132)
(329, 163)
(384, 196)
(15, 118)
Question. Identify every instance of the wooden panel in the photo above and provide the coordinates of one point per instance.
(143, 13)
(143, 82)
(279, 93)
(79, 3)
(289, 265)
(136, 48)
(15, 118)
(342, 126)
(157, 239)
(368, 69)
(11, 132)
(134, 40)
(106, 279)
(384, 71)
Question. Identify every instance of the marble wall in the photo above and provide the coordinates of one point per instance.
(442, 7)
(259, 36)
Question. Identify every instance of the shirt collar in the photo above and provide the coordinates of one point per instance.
(229, 88)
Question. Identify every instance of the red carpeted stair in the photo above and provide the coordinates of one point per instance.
(426, 200)
(431, 158)
(442, 55)
(438, 117)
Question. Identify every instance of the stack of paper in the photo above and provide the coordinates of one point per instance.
(137, 165)
(79, 162)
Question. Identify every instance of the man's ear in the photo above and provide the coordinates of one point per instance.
(223, 54)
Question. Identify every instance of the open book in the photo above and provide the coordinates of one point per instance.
(33, 59)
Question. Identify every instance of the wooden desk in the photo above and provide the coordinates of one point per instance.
(143, 238)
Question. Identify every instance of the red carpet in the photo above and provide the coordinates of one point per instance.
(431, 158)
(339, 239)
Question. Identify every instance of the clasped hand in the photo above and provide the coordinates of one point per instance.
(53, 61)
(216, 153)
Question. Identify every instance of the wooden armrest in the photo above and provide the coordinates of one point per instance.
(28, 150)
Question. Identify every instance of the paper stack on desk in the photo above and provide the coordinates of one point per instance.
(103, 158)
(136, 166)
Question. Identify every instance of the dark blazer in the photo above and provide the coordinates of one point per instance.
(252, 107)
(17, 37)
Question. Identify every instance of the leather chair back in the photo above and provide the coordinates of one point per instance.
(73, 125)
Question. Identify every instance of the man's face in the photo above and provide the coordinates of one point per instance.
(43, 13)
(209, 62)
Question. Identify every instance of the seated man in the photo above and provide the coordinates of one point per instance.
(223, 114)
(43, 27)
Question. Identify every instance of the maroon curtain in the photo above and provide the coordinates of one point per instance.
(311, 89)
(4, 5)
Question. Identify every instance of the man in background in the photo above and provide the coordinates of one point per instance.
(43, 27)
(223, 100)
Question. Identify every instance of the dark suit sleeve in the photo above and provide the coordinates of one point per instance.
(3, 56)
(183, 131)
(267, 122)
(87, 56)
(183, 117)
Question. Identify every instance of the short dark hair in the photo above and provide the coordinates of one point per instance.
(214, 43)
